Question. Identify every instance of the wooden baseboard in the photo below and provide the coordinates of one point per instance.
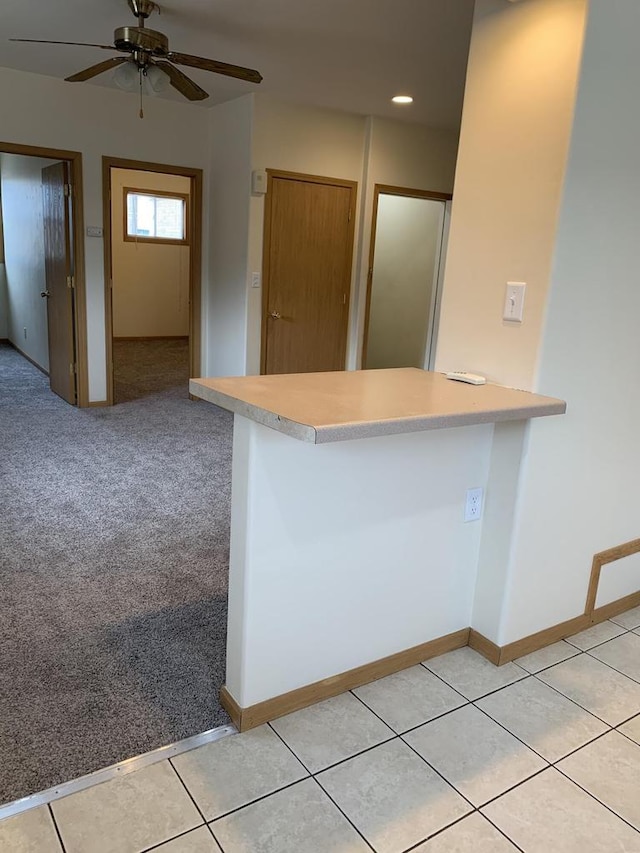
(614, 608)
(295, 700)
(499, 655)
(600, 560)
(97, 404)
(271, 709)
(28, 357)
(231, 707)
(153, 338)
(540, 639)
(486, 647)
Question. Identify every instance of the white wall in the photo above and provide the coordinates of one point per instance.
(22, 215)
(408, 234)
(578, 494)
(44, 111)
(150, 280)
(516, 124)
(4, 303)
(317, 141)
(229, 237)
(328, 578)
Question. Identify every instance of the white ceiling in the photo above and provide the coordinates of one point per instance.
(345, 54)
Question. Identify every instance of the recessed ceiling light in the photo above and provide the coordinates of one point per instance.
(402, 99)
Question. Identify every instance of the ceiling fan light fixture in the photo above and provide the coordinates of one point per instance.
(158, 81)
(127, 77)
(402, 99)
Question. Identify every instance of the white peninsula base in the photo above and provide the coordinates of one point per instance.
(351, 551)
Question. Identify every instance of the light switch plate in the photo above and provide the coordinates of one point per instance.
(94, 231)
(514, 301)
(255, 279)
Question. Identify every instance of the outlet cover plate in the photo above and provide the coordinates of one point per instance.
(473, 504)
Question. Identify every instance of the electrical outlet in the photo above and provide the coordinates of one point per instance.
(473, 505)
(25, 333)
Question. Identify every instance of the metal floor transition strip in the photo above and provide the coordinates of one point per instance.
(129, 765)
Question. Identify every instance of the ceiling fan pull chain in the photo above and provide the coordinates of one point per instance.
(141, 113)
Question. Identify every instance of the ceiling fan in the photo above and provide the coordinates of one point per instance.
(149, 50)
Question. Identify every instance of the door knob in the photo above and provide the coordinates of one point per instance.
(45, 294)
(275, 315)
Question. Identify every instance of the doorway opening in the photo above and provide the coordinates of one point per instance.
(403, 286)
(308, 252)
(42, 292)
(153, 238)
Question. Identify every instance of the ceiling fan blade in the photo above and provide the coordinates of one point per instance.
(94, 70)
(181, 82)
(78, 43)
(217, 67)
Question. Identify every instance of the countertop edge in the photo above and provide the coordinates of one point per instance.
(346, 432)
(353, 431)
(294, 429)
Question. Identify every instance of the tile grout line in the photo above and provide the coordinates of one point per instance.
(346, 816)
(576, 653)
(312, 776)
(342, 760)
(435, 834)
(173, 838)
(437, 772)
(418, 725)
(189, 794)
(476, 809)
(569, 698)
(56, 827)
(619, 671)
(483, 695)
(502, 832)
(603, 642)
(593, 797)
(535, 751)
(492, 800)
(215, 840)
(255, 800)
(624, 734)
(548, 763)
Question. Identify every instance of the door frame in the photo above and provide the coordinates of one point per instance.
(266, 247)
(378, 190)
(195, 256)
(74, 158)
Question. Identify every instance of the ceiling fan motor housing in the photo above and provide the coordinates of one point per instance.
(140, 38)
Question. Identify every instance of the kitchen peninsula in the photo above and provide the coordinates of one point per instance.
(350, 557)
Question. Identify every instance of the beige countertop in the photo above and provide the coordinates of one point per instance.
(323, 407)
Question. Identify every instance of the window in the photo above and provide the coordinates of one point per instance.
(157, 217)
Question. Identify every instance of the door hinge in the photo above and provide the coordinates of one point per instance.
(70, 282)
(349, 220)
(73, 368)
(68, 190)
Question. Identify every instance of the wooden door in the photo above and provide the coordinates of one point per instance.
(309, 226)
(59, 282)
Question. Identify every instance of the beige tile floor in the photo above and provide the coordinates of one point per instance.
(454, 755)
